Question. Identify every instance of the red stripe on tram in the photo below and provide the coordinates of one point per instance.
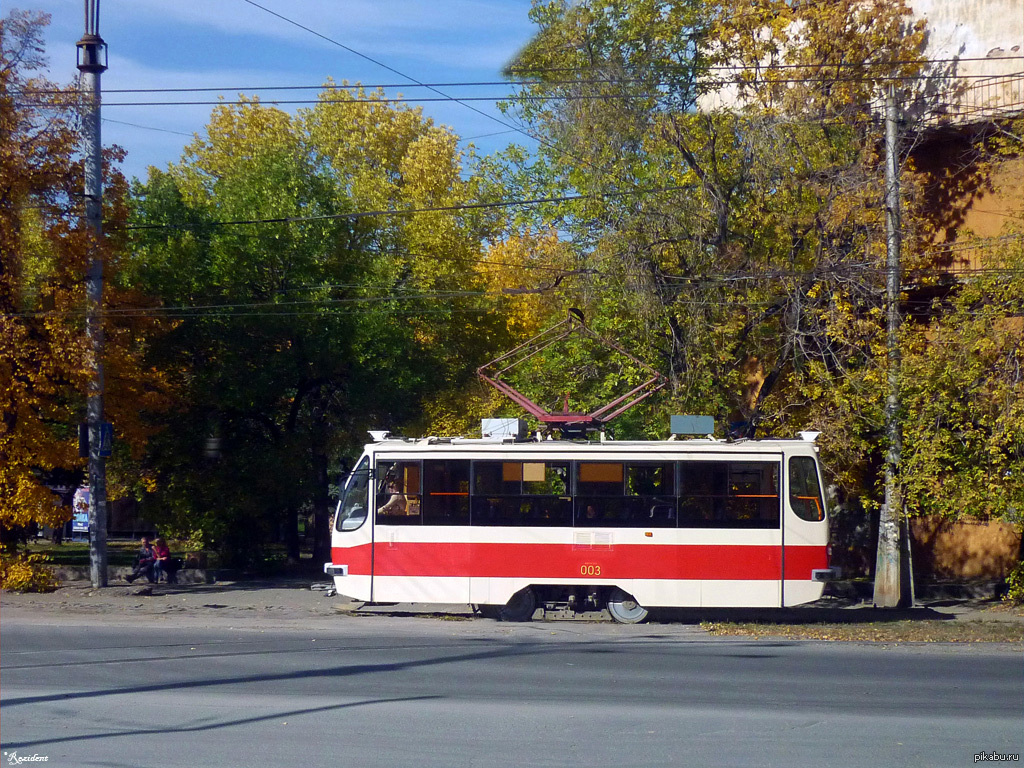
(565, 561)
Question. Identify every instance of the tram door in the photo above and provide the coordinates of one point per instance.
(730, 512)
(806, 530)
(398, 515)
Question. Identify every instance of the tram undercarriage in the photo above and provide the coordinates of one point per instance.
(569, 601)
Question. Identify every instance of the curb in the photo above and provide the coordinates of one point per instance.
(67, 573)
(974, 590)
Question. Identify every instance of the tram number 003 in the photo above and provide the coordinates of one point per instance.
(589, 569)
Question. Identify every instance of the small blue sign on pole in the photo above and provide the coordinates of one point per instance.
(106, 438)
(692, 425)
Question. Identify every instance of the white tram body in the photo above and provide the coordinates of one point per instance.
(674, 523)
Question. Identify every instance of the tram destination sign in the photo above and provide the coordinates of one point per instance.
(692, 425)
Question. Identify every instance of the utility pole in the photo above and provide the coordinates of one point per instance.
(893, 585)
(92, 57)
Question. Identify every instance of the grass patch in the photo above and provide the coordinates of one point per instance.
(879, 632)
(77, 552)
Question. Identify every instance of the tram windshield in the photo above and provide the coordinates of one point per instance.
(354, 501)
(804, 489)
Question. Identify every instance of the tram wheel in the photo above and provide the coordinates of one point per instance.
(624, 608)
(520, 606)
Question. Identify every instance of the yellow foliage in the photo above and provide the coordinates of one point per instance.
(249, 129)
(528, 262)
(44, 252)
(26, 573)
(460, 415)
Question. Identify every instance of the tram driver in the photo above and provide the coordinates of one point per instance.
(396, 505)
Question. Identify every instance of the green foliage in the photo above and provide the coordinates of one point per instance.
(727, 247)
(963, 393)
(293, 338)
(1015, 585)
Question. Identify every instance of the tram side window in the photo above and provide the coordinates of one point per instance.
(351, 513)
(719, 494)
(633, 495)
(521, 493)
(599, 494)
(398, 493)
(545, 479)
(650, 495)
(804, 489)
(446, 492)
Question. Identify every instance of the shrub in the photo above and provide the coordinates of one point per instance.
(1015, 585)
(26, 573)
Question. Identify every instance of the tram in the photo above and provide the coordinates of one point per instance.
(508, 524)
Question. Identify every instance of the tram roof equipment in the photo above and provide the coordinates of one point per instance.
(573, 324)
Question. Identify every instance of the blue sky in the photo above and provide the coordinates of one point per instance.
(232, 46)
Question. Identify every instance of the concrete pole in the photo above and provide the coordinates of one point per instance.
(92, 63)
(892, 566)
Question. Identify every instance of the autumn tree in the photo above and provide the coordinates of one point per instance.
(726, 159)
(44, 243)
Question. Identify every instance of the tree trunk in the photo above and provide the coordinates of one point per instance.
(291, 535)
(321, 512)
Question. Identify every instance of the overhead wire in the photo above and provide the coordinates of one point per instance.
(381, 64)
(276, 306)
(530, 134)
(575, 81)
(448, 97)
(400, 211)
(518, 96)
(147, 127)
(458, 100)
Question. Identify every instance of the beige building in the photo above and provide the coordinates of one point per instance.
(978, 84)
(978, 80)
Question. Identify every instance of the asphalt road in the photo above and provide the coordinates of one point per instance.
(401, 691)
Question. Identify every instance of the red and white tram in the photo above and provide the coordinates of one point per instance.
(508, 525)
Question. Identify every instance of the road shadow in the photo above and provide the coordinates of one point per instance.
(808, 614)
(215, 588)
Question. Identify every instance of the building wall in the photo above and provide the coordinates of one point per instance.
(963, 550)
(964, 201)
(972, 29)
(979, 44)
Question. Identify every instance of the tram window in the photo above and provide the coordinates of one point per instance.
(446, 492)
(510, 493)
(703, 478)
(544, 479)
(599, 490)
(650, 495)
(649, 480)
(729, 494)
(401, 479)
(804, 489)
(634, 495)
(599, 479)
(502, 478)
